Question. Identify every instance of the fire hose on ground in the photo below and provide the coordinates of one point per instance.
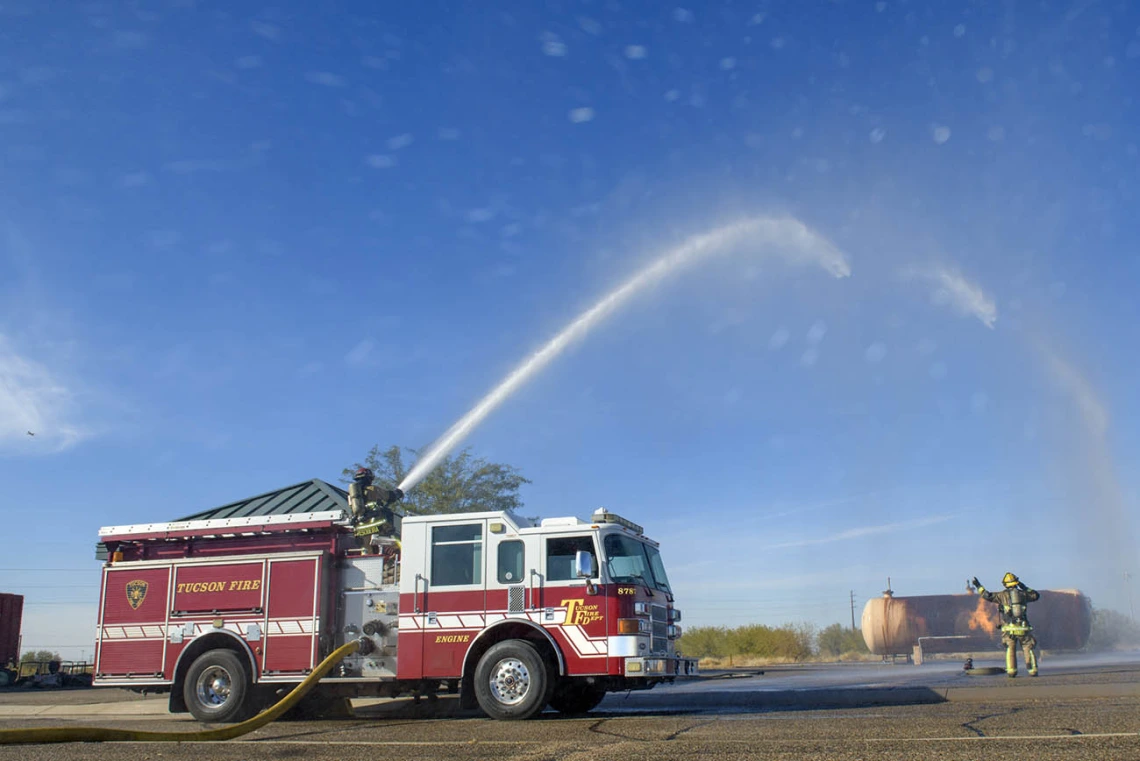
(105, 734)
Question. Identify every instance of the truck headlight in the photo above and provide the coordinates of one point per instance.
(674, 615)
(674, 631)
(632, 626)
(641, 609)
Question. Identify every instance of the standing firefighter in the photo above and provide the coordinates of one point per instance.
(1015, 629)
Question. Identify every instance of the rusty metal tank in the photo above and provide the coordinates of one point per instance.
(892, 625)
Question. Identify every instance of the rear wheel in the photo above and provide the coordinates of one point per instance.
(217, 687)
(574, 697)
(512, 681)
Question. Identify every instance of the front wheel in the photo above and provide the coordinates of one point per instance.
(574, 697)
(512, 681)
(217, 687)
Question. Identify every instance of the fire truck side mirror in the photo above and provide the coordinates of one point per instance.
(584, 565)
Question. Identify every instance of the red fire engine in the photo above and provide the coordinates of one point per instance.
(224, 613)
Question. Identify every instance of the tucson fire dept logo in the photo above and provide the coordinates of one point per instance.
(136, 593)
(579, 613)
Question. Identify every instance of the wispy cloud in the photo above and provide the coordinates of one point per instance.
(325, 79)
(37, 409)
(952, 289)
(267, 30)
(360, 353)
(193, 166)
(861, 531)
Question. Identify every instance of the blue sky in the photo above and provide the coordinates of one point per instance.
(238, 247)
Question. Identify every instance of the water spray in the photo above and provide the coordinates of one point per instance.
(781, 235)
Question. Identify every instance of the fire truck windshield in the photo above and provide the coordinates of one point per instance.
(632, 562)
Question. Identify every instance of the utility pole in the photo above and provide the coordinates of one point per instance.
(852, 610)
(1128, 585)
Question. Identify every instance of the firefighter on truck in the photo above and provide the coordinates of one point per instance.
(514, 616)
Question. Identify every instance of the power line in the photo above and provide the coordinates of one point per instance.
(37, 569)
(89, 583)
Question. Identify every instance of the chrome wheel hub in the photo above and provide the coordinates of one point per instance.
(510, 681)
(214, 686)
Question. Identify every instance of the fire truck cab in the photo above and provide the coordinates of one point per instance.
(515, 617)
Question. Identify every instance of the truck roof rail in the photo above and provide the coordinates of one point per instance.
(255, 524)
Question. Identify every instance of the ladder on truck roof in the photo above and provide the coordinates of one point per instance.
(220, 527)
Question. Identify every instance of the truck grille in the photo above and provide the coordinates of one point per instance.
(659, 629)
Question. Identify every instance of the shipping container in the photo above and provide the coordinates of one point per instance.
(11, 615)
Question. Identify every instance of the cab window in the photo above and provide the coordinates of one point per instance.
(560, 552)
(510, 562)
(457, 555)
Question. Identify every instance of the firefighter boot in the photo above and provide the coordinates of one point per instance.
(1011, 660)
(1031, 661)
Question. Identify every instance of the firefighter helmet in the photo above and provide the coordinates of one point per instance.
(1009, 580)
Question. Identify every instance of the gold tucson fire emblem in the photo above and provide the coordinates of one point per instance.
(136, 593)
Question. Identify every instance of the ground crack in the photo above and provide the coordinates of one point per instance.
(969, 725)
(596, 728)
(680, 732)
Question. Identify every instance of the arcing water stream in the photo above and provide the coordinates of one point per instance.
(782, 235)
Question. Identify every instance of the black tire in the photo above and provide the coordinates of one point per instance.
(512, 681)
(575, 697)
(217, 687)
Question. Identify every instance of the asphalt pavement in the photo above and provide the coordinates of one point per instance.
(1082, 709)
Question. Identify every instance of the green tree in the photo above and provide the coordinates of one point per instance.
(40, 655)
(837, 640)
(461, 483)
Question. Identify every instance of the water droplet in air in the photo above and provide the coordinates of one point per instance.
(580, 115)
(400, 141)
(553, 46)
(941, 133)
(877, 135)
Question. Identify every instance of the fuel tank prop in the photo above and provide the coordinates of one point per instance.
(892, 625)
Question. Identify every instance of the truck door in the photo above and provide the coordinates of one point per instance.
(512, 566)
(573, 612)
(454, 597)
